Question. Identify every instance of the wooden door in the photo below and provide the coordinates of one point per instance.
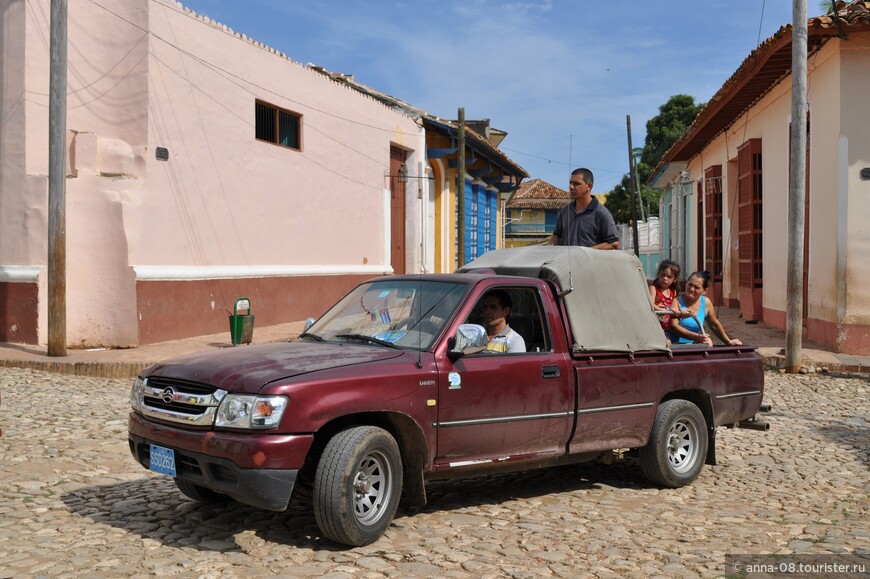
(749, 210)
(713, 229)
(397, 211)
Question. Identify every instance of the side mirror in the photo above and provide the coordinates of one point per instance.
(308, 323)
(469, 339)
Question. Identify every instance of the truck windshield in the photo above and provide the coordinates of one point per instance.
(406, 313)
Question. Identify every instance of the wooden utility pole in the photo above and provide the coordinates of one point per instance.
(634, 193)
(57, 180)
(796, 188)
(460, 189)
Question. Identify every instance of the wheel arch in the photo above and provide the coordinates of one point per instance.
(408, 435)
(704, 402)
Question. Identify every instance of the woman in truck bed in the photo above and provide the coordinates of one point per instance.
(690, 330)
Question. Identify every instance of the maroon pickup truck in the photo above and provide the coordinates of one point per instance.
(394, 386)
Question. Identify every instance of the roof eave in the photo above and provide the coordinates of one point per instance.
(665, 173)
(759, 73)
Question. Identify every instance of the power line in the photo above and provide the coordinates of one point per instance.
(244, 84)
(761, 20)
(226, 72)
(553, 161)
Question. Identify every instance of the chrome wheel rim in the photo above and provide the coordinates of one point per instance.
(682, 445)
(372, 487)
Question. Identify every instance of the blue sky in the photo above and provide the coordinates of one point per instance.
(559, 76)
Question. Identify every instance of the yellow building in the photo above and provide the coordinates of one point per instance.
(531, 213)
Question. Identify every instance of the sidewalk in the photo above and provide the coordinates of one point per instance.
(128, 363)
(770, 342)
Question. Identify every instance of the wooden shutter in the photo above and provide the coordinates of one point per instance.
(713, 222)
(749, 210)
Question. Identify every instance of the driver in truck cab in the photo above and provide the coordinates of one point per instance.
(501, 338)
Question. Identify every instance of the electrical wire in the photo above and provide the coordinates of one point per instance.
(244, 84)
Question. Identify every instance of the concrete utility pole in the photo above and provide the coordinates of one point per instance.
(797, 188)
(57, 180)
(460, 189)
(634, 193)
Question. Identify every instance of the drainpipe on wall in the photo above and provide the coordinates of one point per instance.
(423, 190)
(385, 209)
(842, 237)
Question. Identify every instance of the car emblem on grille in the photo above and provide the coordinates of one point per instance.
(168, 394)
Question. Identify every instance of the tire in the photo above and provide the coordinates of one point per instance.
(357, 486)
(200, 494)
(677, 447)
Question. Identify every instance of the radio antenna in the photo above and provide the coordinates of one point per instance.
(570, 147)
(570, 287)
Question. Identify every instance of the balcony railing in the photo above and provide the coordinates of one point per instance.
(526, 228)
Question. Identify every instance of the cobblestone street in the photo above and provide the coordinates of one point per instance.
(74, 503)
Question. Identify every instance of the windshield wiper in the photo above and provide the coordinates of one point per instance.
(314, 337)
(371, 339)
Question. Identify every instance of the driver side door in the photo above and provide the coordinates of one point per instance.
(506, 407)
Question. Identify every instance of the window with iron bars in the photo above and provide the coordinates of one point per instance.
(278, 126)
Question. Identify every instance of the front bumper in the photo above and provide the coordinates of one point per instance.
(263, 488)
(255, 468)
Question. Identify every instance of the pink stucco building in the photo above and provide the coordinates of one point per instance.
(202, 166)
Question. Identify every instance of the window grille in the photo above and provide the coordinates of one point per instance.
(278, 126)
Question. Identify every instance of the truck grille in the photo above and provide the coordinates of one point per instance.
(181, 401)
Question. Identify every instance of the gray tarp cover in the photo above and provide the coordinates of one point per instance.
(609, 307)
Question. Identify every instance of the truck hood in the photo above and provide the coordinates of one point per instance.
(249, 368)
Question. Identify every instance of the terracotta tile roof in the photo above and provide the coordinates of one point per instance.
(538, 194)
(847, 14)
(762, 70)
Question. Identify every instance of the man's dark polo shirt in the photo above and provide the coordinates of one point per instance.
(590, 227)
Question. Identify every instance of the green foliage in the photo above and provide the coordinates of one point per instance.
(666, 128)
(662, 131)
(619, 198)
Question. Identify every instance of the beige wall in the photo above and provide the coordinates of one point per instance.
(854, 148)
(768, 121)
(839, 222)
(825, 125)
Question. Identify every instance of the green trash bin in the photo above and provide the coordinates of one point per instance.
(242, 325)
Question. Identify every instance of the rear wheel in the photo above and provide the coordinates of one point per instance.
(677, 447)
(199, 493)
(357, 485)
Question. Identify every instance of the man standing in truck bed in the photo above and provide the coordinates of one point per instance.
(584, 221)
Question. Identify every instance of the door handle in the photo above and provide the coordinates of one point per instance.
(550, 371)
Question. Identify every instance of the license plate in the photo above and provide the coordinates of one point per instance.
(163, 460)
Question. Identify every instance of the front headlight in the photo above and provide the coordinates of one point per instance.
(247, 411)
(137, 393)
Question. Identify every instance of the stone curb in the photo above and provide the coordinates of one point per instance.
(92, 369)
(777, 362)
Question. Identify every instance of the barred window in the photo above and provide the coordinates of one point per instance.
(278, 126)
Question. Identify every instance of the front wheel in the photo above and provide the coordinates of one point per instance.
(357, 485)
(677, 447)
